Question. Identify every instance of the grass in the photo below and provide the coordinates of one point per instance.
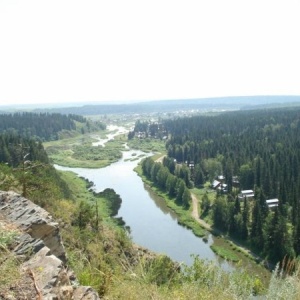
(148, 145)
(225, 253)
(9, 264)
(222, 246)
(7, 237)
(105, 276)
(100, 261)
(78, 152)
(78, 186)
(185, 218)
(200, 192)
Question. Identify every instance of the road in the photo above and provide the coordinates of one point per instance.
(195, 213)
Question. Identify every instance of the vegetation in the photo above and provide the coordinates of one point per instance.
(227, 250)
(147, 145)
(176, 107)
(260, 150)
(183, 214)
(225, 253)
(173, 185)
(79, 152)
(9, 264)
(44, 126)
(106, 261)
(100, 250)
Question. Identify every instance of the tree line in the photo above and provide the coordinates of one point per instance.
(43, 126)
(174, 181)
(25, 168)
(260, 147)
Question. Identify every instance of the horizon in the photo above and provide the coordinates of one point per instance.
(264, 99)
(67, 51)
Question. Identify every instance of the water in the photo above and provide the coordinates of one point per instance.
(115, 130)
(153, 225)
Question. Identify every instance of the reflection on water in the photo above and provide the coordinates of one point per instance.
(160, 203)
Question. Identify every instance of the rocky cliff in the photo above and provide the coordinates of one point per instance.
(39, 248)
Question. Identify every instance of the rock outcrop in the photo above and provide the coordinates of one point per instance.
(40, 246)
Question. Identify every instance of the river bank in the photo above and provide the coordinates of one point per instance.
(116, 176)
(223, 246)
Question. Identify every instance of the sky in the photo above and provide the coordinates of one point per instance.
(63, 51)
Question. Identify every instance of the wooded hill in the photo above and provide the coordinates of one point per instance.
(167, 106)
(24, 164)
(102, 255)
(261, 148)
(43, 126)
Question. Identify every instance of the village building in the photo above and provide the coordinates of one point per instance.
(219, 186)
(215, 184)
(272, 203)
(191, 165)
(221, 178)
(222, 188)
(246, 194)
(235, 181)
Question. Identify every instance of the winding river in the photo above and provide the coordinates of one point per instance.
(153, 225)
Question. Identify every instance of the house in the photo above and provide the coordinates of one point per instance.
(223, 188)
(191, 165)
(235, 181)
(248, 194)
(272, 203)
(215, 184)
(221, 178)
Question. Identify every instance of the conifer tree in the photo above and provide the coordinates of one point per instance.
(180, 187)
(256, 232)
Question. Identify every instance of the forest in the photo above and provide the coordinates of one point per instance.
(255, 150)
(101, 253)
(174, 181)
(43, 126)
(175, 106)
(25, 168)
(260, 148)
(24, 163)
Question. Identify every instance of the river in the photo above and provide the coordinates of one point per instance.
(152, 224)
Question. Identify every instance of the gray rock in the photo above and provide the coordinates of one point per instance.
(32, 219)
(41, 246)
(28, 245)
(85, 293)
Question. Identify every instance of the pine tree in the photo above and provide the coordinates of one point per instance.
(186, 198)
(180, 187)
(171, 185)
(256, 233)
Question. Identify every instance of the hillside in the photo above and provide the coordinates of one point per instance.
(97, 246)
(33, 254)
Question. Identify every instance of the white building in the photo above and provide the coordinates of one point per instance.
(246, 194)
(272, 203)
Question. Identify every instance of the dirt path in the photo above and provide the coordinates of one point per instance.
(160, 159)
(195, 213)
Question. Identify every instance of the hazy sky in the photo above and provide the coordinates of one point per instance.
(70, 51)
